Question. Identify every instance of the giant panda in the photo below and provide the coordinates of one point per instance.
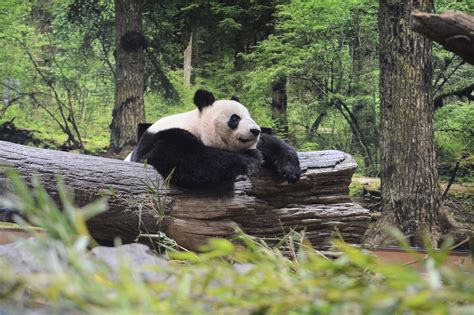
(213, 144)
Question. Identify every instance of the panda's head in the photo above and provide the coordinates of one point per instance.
(226, 124)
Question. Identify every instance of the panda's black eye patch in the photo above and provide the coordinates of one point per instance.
(233, 121)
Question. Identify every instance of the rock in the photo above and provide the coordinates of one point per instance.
(29, 256)
(21, 257)
(137, 256)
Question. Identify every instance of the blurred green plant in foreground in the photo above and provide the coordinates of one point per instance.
(240, 277)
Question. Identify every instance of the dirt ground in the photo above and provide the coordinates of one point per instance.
(460, 198)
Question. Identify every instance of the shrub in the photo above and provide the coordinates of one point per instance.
(241, 277)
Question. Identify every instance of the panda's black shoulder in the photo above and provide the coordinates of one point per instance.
(151, 143)
(173, 135)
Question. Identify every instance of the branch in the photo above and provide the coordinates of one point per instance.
(463, 92)
(348, 116)
(446, 78)
(106, 56)
(341, 106)
(451, 180)
(318, 121)
(453, 176)
(444, 67)
(71, 117)
(453, 30)
(60, 103)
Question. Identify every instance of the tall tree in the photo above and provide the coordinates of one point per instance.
(188, 55)
(129, 108)
(311, 46)
(363, 53)
(410, 191)
(279, 105)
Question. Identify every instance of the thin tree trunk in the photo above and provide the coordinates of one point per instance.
(410, 191)
(361, 109)
(129, 83)
(279, 105)
(188, 54)
(317, 122)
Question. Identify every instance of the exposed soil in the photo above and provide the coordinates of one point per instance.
(459, 201)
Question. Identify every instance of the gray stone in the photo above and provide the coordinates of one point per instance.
(21, 257)
(29, 256)
(138, 256)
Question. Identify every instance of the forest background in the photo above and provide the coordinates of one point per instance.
(308, 69)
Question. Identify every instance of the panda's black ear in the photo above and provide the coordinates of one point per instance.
(235, 98)
(203, 98)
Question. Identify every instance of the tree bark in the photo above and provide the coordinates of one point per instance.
(130, 42)
(453, 30)
(409, 180)
(260, 205)
(187, 64)
(279, 106)
(361, 109)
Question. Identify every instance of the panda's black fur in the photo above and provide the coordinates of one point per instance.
(192, 164)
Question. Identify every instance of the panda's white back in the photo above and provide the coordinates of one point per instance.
(189, 121)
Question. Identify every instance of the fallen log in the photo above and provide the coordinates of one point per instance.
(260, 205)
(454, 30)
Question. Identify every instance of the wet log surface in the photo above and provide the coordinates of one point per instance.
(260, 205)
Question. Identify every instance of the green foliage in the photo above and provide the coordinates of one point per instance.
(449, 5)
(326, 50)
(58, 82)
(226, 278)
(454, 131)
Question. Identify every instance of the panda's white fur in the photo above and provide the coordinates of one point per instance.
(129, 157)
(210, 125)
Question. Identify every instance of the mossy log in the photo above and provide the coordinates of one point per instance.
(260, 205)
(454, 30)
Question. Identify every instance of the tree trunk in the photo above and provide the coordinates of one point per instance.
(278, 106)
(361, 109)
(410, 191)
(187, 64)
(129, 108)
(260, 205)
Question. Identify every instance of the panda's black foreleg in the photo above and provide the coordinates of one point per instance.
(280, 157)
(145, 144)
(192, 164)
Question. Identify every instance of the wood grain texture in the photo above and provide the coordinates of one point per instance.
(454, 30)
(261, 205)
(409, 179)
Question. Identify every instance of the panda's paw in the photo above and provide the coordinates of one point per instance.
(290, 172)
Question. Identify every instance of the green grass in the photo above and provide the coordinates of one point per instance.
(358, 182)
(294, 279)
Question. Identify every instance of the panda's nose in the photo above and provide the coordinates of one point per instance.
(255, 132)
